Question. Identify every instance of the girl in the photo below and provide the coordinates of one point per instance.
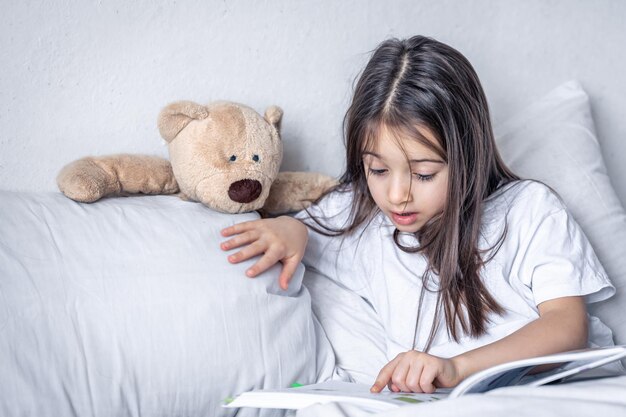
(465, 265)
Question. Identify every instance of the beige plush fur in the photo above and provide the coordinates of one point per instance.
(224, 155)
(296, 190)
(89, 179)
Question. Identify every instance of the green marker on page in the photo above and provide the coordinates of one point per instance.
(229, 400)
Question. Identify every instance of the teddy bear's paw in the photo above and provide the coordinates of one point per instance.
(322, 185)
(315, 186)
(294, 191)
(83, 180)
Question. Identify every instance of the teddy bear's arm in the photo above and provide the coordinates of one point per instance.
(295, 191)
(91, 178)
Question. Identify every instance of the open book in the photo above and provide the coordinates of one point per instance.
(570, 365)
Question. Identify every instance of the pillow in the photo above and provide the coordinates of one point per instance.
(554, 141)
(129, 307)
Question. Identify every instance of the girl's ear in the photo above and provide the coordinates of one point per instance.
(274, 115)
(176, 116)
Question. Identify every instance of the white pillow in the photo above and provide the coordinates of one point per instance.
(128, 307)
(554, 141)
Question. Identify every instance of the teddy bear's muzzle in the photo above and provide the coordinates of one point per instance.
(245, 191)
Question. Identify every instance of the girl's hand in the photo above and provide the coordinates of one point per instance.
(281, 239)
(415, 371)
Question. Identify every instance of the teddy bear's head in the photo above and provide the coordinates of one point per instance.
(224, 154)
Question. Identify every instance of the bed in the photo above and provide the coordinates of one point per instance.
(128, 307)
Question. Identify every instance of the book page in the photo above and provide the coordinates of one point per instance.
(520, 372)
(508, 374)
(332, 391)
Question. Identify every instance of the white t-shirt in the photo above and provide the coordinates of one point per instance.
(544, 256)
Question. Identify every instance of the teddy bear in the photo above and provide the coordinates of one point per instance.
(224, 155)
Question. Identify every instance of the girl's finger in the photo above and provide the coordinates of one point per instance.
(240, 240)
(398, 377)
(289, 268)
(239, 228)
(429, 373)
(267, 260)
(384, 376)
(416, 370)
(254, 249)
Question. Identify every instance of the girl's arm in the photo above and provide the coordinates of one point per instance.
(561, 326)
(282, 239)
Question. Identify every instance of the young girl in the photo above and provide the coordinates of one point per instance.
(465, 265)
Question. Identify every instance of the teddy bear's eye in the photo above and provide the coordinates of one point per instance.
(233, 158)
(255, 158)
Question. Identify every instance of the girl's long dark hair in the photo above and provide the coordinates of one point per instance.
(423, 82)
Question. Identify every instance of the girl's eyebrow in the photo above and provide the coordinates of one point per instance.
(412, 161)
(436, 161)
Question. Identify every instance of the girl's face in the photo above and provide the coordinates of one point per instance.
(407, 180)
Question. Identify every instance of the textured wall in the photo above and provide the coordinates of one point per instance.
(89, 77)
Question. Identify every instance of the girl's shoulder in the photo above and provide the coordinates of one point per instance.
(521, 206)
(518, 213)
(526, 198)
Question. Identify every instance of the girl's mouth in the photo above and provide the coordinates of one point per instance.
(404, 219)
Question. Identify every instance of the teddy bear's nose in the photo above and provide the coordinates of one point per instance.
(244, 191)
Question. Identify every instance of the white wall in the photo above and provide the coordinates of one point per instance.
(89, 77)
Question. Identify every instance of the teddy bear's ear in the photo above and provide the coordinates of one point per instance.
(176, 116)
(274, 115)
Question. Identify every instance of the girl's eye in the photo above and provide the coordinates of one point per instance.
(376, 171)
(422, 177)
(233, 158)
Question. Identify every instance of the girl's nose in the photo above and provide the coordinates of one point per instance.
(399, 191)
